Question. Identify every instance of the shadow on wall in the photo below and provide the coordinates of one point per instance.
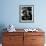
(2, 26)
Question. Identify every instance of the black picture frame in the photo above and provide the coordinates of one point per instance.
(26, 13)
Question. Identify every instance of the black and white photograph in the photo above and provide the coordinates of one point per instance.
(26, 13)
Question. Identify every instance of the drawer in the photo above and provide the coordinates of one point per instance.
(27, 37)
(34, 33)
(15, 40)
(12, 44)
(37, 39)
(37, 44)
(27, 41)
(8, 45)
(13, 33)
(12, 38)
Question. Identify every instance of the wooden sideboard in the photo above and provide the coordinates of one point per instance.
(23, 38)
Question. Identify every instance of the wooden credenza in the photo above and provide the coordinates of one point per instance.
(23, 39)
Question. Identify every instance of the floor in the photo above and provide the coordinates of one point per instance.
(0, 44)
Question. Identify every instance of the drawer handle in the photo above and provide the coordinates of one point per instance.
(33, 39)
(11, 38)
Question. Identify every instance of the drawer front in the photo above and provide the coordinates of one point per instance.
(12, 44)
(12, 39)
(13, 33)
(27, 41)
(37, 39)
(37, 44)
(33, 40)
(34, 33)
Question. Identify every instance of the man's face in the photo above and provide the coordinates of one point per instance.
(24, 12)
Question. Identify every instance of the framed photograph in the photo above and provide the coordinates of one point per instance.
(26, 13)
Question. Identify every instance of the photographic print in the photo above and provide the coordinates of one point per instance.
(26, 13)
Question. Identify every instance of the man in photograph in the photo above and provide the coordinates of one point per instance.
(27, 13)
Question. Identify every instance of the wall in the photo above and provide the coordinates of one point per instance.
(9, 13)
